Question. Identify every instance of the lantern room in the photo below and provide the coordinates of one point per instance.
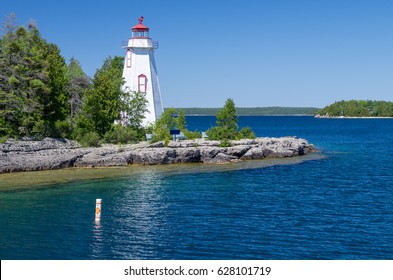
(140, 30)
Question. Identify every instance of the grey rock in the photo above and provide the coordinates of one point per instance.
(185, 155)
(183, 144)
(254, 153)
(30, 155)
(149, 156)
(160, 144)
(99, 158)
(209, 151)
(221, 158)
(238, 151)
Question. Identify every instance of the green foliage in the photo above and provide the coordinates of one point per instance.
(227, 126)
(162, 127)
(227, 117)
(121, 135)
(191, 135)
(358, 108)
(77, 84)
(246, 133)
(32, 80)
(62, 128)
(3, 139)
(226, 123)
(83, 126)
(101, 103)
(225, 143)
(56, 104)
(181, 121)
(135, 105)
(90, 139)
(216, 133)
(167, 121)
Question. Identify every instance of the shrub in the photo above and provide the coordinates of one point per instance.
(246, 133)
(218, 133)
(3, 139)
(121, 135)
(191, 135)
(90, 139)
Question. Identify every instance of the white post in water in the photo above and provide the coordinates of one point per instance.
(98, 209)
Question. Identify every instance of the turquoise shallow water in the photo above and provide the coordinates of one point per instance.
(335, 204)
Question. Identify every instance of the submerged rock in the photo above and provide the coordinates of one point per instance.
(50, 153)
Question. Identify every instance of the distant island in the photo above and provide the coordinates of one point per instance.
(357, 109)
(255, 111)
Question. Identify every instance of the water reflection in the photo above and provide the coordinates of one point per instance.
(97, 245)
(138, 214)
(50, 178)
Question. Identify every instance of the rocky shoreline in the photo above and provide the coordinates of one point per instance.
(50, 153)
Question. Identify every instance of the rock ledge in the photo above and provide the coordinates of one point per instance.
(50, 153)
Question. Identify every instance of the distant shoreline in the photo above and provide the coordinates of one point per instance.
(253, 111)
(262, 115)
(344, 117)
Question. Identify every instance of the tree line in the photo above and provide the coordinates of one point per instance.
(358, 108)
(255, 111)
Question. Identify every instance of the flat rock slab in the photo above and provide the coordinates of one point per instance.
(50, 153)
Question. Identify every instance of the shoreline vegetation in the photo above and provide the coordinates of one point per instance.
(357, 109)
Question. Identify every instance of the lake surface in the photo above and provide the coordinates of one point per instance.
(334, 204)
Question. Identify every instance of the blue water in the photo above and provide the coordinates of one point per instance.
(338, 206)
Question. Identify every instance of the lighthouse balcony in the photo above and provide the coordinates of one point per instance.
(140, 43)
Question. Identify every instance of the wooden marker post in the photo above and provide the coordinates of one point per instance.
(98, 209)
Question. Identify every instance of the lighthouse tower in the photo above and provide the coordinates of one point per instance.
(140, 71)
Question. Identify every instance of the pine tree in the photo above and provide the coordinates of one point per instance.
(227, 126)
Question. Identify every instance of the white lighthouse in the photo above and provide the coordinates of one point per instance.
(140, 71)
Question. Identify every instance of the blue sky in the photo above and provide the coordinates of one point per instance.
(260, 53)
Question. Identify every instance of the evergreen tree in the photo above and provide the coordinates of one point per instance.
(227, 126)
(77, 83)
(227, 118)
(57, 109)
(31, 83)
(101, 103)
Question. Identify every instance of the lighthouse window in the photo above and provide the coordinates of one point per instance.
(128, 58)
(142, 83)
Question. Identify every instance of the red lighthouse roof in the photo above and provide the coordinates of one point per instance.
(140, 26)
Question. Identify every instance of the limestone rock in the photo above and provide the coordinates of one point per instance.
(49, 153)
